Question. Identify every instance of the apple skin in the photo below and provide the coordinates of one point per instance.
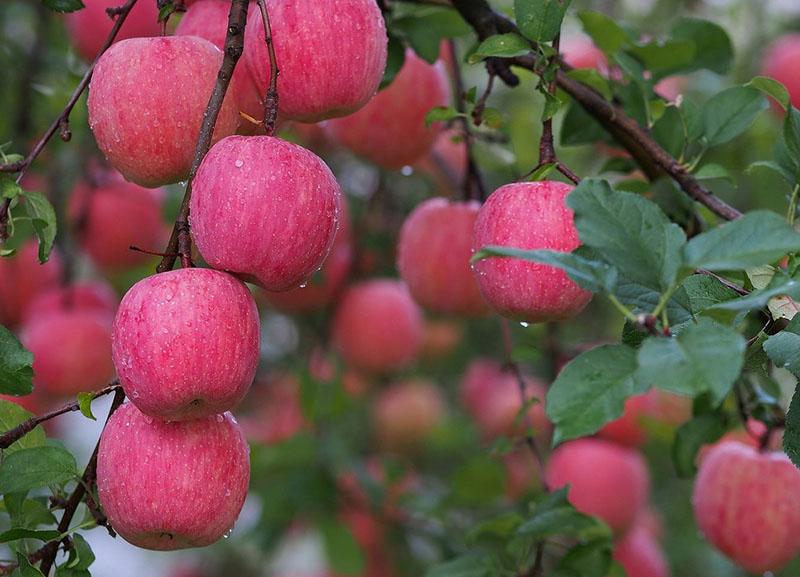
(606, 480)
(167, 486)
(742, 504)
(96, 296)
(378, 327)
(209, 19)
(331, 55)
(114, 216)
(390, 130)
(89, 27)
(640, 554)
(433, 253)
(22, 278)
(255, 199)
(629, 429)
(186, 343)
(404, 414)
(71, 350)
(781, 62)
(528, 215)
(146, 103)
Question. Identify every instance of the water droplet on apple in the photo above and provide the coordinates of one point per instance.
(406, 171)
(239, 163)
(524, 324)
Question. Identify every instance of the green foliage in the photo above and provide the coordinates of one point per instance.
(501, 45)
(540, 20)
(63, 5)
(36, 467)
(12, 415)
(16, 365)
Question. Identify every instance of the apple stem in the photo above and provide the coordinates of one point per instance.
(180, 241)
(271, 100)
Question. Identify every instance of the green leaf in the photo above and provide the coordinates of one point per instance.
(556, 516)
(497, 530)
(395, 58)
(11, 415)
(791, 434)
(662, 58)
(25, 569)
(470, 565)
(780, 285)
(540, 20)
(607, 35)
(629, 232)
(341, 548)
(81, 555)
(501, 45)
(9, 187)
(758, 237)
(579, 128)
(425, 27)
(38, 467)
(791, 133)
(16, 365)
(644, 300)
(592, 559)
(713, 46)
(442, 114)
(542, 172)
(85, 403)
(705, 357)
(591, 390)
(18, 533)
(691, 436)
(784, 348)
(591, 275)
(773, 88)
(478, 481)
(711, 171)
(730, 112)
(63, 5)
(706, 292)
(670, 132)
(43, 217)
(593, 78)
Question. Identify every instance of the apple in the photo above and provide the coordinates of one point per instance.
(580, 52)
(22, 278)
(277, 414)
(172, 485)
(71, 350)
(331, 55)
(186, 343)
(390, 130)
(31, 403)
(781, 61)
(523, 475)
(440, 339)
(433, 253)
(640, 554)
(89, 27)
(405, 414)
(96, 296)
(630, 429)
(378, 327)
(605, 480)
(209, 19)
(744, 504)
(266, 209)
(110, 218)
(528, 215)
(447, 161)
(147, 98)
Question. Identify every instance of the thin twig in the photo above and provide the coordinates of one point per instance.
(271, 100)
(180, 241)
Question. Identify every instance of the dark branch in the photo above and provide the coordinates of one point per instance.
(271, 100)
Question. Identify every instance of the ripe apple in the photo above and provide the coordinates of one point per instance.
(378, 326)
(89, 27)
(630, 429)
(331, 55)
(447, 161)
(209, 19)
(433, 254)
(580, 52)
(110, 218)
(440, 339)
(146, 102)
(71, 350)
(22, 278)
(781, 61)
(390, 130)
(404, 414)
(186, 343)
(640, 554)
(605, 479)
(167, 486)
(744, 505)
(96, 296)
(266, 209)
(277, 414)
(528, 215)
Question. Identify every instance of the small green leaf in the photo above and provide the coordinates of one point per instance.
(470, 565)
(542, 172)
(18, 533)
(11, 415)
(784, 348)
(607, 35)
(9, 187)
(478, 481)
(500, 45)
(395, 58)
(773, 88)
(791, 434)
(711, 171)
(85, 403)
(780, 285)
(664, 57)
(713, 46)
(592, 559)
(730, 112)
(38, 467)
(341, 548)
(556, 516)
(442, 114)
(540, 20)
(16, 365)
(43, 217)
(691, 436)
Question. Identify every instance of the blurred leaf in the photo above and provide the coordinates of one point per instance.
(540, 20)
(691, 436)
(711, 171)
(729, 113)
(24, 568)
(773, 88)
(542, 172)
(501, 45)
(791, 434)
(713, 47)
(592, 78)
(492, 117)
(628, 231)
(37, 467)
(63, 5)
(496, 531)
(578, 127)
(669, 131)
(16, 365)
(791, 133)
(592, 559)
(705, 357)
(395, 58)
(341, 548)
(758, 237)
(12, 415)
(9, 187)
(425, 27)
(591, 390)
(470, 565)
(441, 114)
(664, 57)
(607, 35)
(478, 481)
(43, 218)
(556, 516)
(784, 348)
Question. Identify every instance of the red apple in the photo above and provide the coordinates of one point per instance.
(266, 209)
(110, 218)
(581, 52)
(277, 415)
(390, 131)
(146, 102)
(186, 343)
(447, 161)
(167, 486)
(528, 215)
(90, 26)
(744, 503)
(71, 350)
(22, 278)
(440, 339)
(641, 555)
(30, 403)
(209, 19)
(406, 413)
(433, 254)
(630, 429)
(378, 326)
(781, 62)
(331, 55)
(606, 480)
(96, 296)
